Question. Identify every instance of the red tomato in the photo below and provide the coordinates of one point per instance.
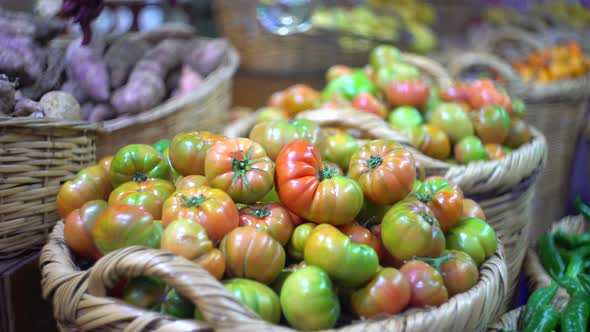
(212, 261)
(459, 271)
(430, 140)
(90, 184)
(445, 202)
(367, 102)
(455, 93)
(472, 210)
(150, 194)
(241, 168)
(426, 284)
(360, 235)
(312, 191)
(211, 208)
(272, 217)
(387, 293)
(252, 253)
(276, 100)
(190, 181)
(299, 98)
(78, 229)
(188, 151)
(384, 170)
(407, 92)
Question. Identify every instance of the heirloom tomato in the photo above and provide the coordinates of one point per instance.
(384, 170)
(518, 135)
(384, 55)
(78, 228)
(185, 238)
(272, 217)
(397, 72)
(475, 237)
(161, 145)
(297, 241)
(426, 284)
(472, 209)
(366, 102)
(455, 93)
(386, 258)
(271, 114)
(144, 292)
(361, 235)
(518, 108)
(252, 253)
(470, 149)
(274, 135)
(495, 151)
(458, 270)
(371, 213)
(211, 208)
(453, 120)
(312, 191)
(349, 86)
(410, 229)
(336, 71)
(339, 148)
(90, 184)
(443, 200)
(150, 194)
(492, 124)
(212, 261)
(176, 305)
(240, 167)
(190, 181)
(430, 140)
(137, 162)
(105, 163)
(256, 296)
(387, 293)
(349, 264)
(188, 151)
(174, 175)
(413, 93)
(308, 300)
(299, 98)
(121, 226)
(405, 117)
(276, 99)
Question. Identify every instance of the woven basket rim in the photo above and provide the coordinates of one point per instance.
(60, 274)
(508, 320)
(47, 123)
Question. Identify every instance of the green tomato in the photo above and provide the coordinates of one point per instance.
(256, 296)
(174, 175)
(270, 114)
(177, 305)
(492, 124)
(161, 145)
(309, 301)
(453, 120)
(475, 237)
(470, 149)
(405, 117)
(384, 55)
(299, 236)
(348, 86)
(338, 149)
(348, 264)
(138, 162)
(518, 108)
(274, 135)
(396, 72)
(144, 292)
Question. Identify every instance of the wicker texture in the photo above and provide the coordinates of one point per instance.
(204, 109)
(508, 321)
(36, 156)
(79, 302)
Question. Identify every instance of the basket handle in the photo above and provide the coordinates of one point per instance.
(217, 305)
(466, 60)
(433, 69)
(491, 43)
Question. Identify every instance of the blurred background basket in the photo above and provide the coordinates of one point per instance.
(204, 109)
(556, 108)
(79, 296)
(37, 156)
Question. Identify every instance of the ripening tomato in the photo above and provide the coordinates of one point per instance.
(298, 238)
(121, 226)
(443, 200)
(274, 135)
(455, 93)
(312, 191)
(336, 71)
(271, 114)
(470, 149)
(472, 209)
(299, 98)
(386, 260)
(252, 253)
(426, 284)
(190, 181)
(384, 56)
(176, 305)
(481, 97)
(185, 238)
(276, 99)
(272, 217)
(430, 140)
(144, 292)
(188, 151)
(366, 102)
(258, 297)
(453, 120)
(413, 93)
(240, 167)
(150, 194)
(339, 148)
(105, 163)
(91, 183)
(492, 124)
(385, 170)
(174, 175)
(138, 162)
(518, 135)
(410, 229)
(212, 261)
(459, 271)
(495, 151)
(211, 208)
(387, 293)
(475, 237)
(78, 228)
(361, 235)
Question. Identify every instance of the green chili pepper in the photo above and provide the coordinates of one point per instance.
(550, 257)
(572, 285)
(583, 208)
(571, 241)
(585, 281)
(575, 266)
(575, 315)
(539, 298)
(586, 265)
(569, 254)
(545, 321)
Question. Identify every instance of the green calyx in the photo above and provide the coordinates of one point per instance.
(259, 212)
(429, 219)
(436, 263)
(326, 173)
(194, 201)
(242, 166)
(139, 177)
(374, 161)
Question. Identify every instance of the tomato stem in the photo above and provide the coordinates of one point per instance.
(259, 212)
(374, 161)
(194, 201)
(326, 173)
(242, 166)
(436, 263)
(139, 177)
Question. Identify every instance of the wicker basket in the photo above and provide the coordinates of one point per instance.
(557, 109)
(203, 109)
(508, 321)
(36, 156)
(79, 300)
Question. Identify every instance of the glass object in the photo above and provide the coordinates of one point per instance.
(285, 17)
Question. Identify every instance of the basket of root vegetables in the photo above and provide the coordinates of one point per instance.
(470, 133)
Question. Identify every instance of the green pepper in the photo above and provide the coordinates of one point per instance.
(575, 315)
(571, 241)
(550, 257)
(539, 298)
(348, 86)
(575, 266)
(545, 321)
(572, 285)
(585, 281)
(569, 254)
(583, 208)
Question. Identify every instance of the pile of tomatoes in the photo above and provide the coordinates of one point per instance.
(463, 123)
(286, 233)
